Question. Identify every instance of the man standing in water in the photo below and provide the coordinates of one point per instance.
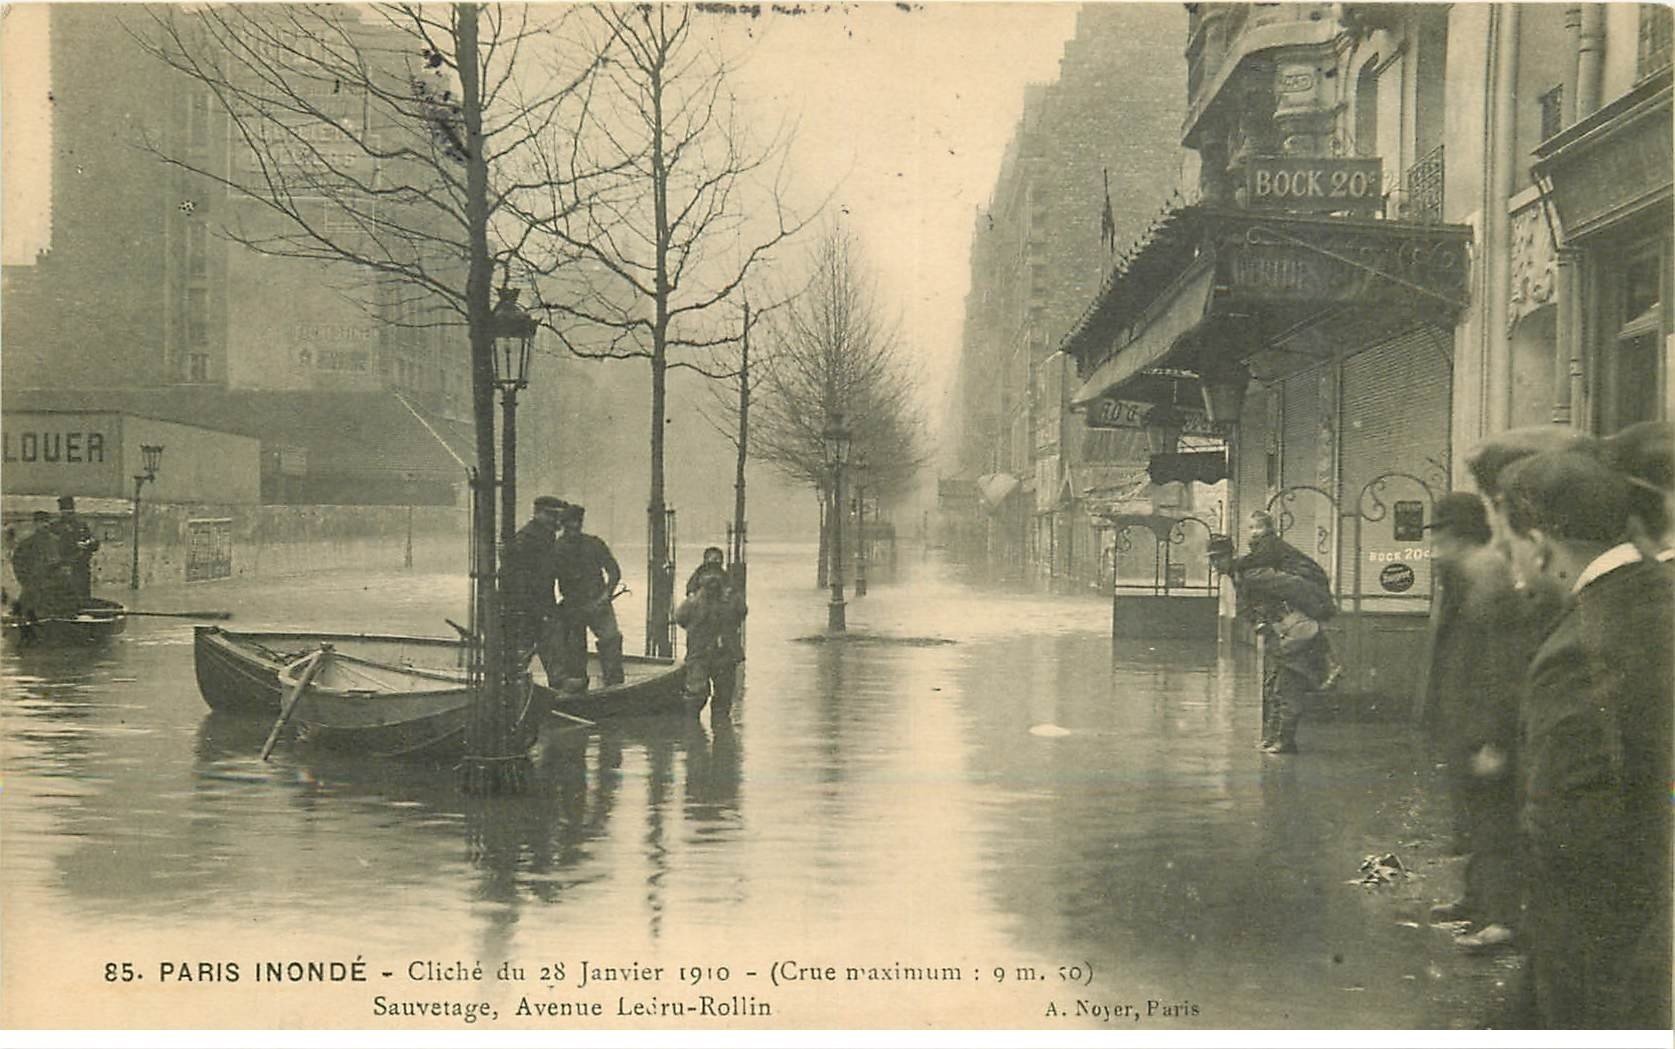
(530, 573)
(712, 618)
(588, 575)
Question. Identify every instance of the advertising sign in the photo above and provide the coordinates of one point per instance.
(1111, 413)
(1353, 184)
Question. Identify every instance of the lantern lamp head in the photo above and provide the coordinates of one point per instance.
(514, 336)
(151, 458)
(836, 440)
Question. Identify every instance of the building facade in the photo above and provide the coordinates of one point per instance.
(1078, 176)
(145, 304)
(1416, 226)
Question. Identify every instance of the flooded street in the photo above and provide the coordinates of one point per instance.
(1026, 827)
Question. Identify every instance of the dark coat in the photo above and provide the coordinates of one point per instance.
(587, 570)
(1597, 770)
(1484, 634)
(712, 621)
(531, 569)
(1597, 721)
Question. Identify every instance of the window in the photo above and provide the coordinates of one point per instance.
(197, 249)
(197, 367)
(1633, 354)
(1552, 112)
(1366, 110)
(197, 120)
(1657, 25)
(197, 317)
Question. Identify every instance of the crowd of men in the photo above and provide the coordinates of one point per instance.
(1549, 697)
(53, 564)
(1551, 692)
(560, 585)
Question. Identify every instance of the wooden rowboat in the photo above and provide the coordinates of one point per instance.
(378, 709)
(651, 687)
(239, 671)
(99, 620)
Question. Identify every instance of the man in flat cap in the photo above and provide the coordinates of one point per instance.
(76, 547)
(1596, 751)
(588, 575)
(529, 575)
(1484, 633)
(1645, 454)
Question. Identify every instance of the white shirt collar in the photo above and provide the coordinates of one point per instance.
(1614, 558)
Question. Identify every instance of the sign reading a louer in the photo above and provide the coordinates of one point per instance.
(1315, 183)
(1111, 413)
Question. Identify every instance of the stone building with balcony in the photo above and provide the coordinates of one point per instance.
(1416, 225)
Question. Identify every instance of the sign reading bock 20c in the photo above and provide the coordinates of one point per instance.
(1109, 413)
(1315, 183)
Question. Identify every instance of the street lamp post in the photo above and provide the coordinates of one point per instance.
(860, 526)
(514, 336)
(151, 458)
(836, 439)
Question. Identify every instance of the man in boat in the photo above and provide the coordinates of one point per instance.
(76, 546)
(35, 564)
(712, 618)
(587, 579)
(531, 572)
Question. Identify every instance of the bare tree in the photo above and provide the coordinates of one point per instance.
(833, 352)
(393, 143)
(690, 211)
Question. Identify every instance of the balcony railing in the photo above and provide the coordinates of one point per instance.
(1424, 188)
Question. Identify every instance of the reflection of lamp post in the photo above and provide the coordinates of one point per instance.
(860, 526)
(151, 457)
(836, 440)
(407, 491)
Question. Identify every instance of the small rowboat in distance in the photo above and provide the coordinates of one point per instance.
(238, 670)
(98, 620)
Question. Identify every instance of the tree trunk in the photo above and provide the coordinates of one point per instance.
(659, 570)
(740, 570)
(492, 733)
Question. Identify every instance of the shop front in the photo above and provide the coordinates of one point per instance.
(1322, 346)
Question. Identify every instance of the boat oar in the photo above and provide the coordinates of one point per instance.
(315, 661)
(209, 614)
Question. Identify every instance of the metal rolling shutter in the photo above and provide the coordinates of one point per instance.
(1252, 477)
(1299, 465)
(1396, 398)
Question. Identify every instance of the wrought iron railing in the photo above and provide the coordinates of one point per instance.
(1424, 188)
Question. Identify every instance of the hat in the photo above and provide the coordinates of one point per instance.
(550, 502)
(1490, 458)
(572, 511)
(66, 502)
(1219, 544)
(1645, 452)
(42, 515)
(1568, 496)
(1462, 514)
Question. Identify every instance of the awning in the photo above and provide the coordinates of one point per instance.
(1229, 283)
(1156, 332)
(1613, 163)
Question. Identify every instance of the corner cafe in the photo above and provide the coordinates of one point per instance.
(1321, 348)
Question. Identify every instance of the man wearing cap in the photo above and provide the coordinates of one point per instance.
(35, 564)
(1596, 751)
(1484, 632)
(587, 579)
(76, 546)
(1645, 455)
(528, 576)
